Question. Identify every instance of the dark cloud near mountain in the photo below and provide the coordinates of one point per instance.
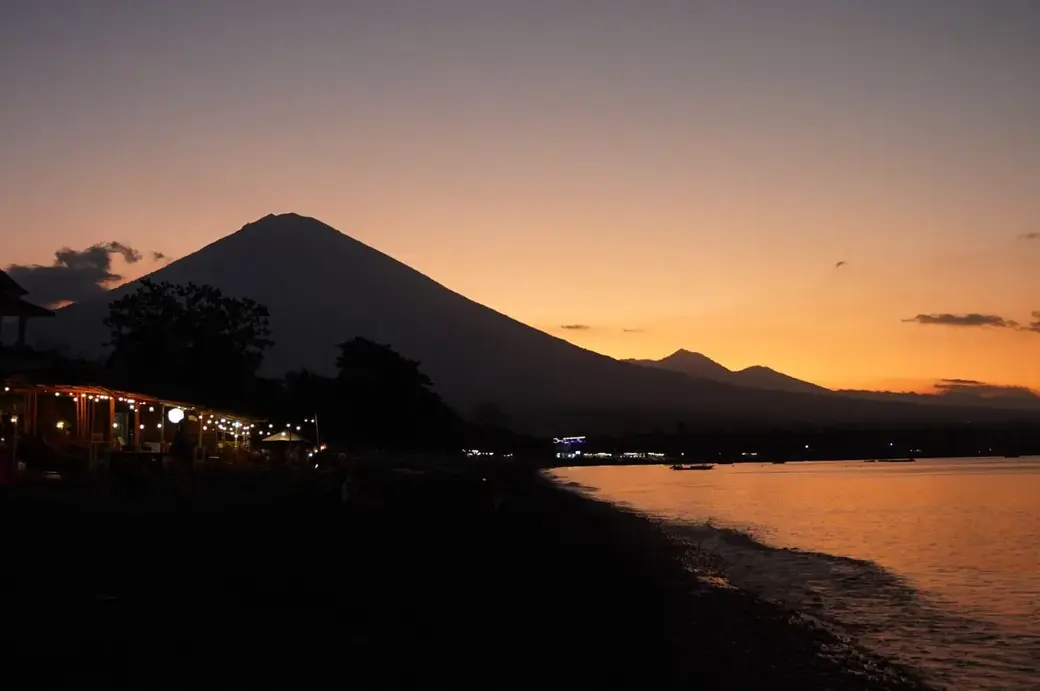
(158, 257)
(841, 264)
(965, 320)
(75, 275)
(575, 327)
(970, 388)
(1029, 236)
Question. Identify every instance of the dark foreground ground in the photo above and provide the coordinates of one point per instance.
(471, 579)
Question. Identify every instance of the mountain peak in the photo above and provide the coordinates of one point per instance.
(684, 354)
(754, 377)
(694, 364)
(295, 228)
(286, 221)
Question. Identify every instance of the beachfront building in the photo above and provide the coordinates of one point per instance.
(85, 427)
(12, 304)
(568, 447)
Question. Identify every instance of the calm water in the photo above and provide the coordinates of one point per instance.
(934, 564)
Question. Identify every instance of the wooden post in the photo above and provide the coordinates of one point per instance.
(31, 409)
(110, 432)
(136, 431)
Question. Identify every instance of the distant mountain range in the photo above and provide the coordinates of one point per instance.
(323, 287)
(966, 394)
(757, 377)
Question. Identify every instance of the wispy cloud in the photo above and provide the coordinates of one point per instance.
(965, 320)
(633, 331)
(158, 257)
(1034, 325)
(1029, 236)
(978, 389)
(841, 264)
(575, 327)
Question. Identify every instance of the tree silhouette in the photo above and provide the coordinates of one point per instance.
(188, 340)
(388, 401)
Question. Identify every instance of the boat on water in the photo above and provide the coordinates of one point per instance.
(778, 462)
(693, 466)
(897, 460)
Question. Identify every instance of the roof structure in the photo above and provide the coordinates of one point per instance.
(8, 286)
(92, 392)
(287, 435)
(13, 306)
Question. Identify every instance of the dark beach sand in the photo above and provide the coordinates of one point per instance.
(468, 579)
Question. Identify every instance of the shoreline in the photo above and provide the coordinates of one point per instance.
(842, 663)
(478, 577)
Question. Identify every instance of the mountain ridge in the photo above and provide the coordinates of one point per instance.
(323, 287)
(700, 366)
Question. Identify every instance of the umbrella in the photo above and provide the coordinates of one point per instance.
(287, 435)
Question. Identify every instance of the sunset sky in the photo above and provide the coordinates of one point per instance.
(660, 174)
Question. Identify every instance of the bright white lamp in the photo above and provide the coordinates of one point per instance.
(175, 415)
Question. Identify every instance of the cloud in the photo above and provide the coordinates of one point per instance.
(75, 274)
(601, 329)
(1034, 326)
(841, 264)
(977, 389)
(1029, 236)
(965, 320)
(158, 257)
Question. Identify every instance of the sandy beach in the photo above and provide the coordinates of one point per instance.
(468, 578)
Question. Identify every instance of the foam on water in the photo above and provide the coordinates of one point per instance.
(862, 602)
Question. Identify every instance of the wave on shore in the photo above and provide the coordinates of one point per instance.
(865, 605)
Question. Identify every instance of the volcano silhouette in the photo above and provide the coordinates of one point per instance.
(323, 287)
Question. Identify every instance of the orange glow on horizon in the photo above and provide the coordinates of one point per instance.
(674, 177)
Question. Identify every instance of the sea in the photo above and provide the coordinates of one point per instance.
(934, 565)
